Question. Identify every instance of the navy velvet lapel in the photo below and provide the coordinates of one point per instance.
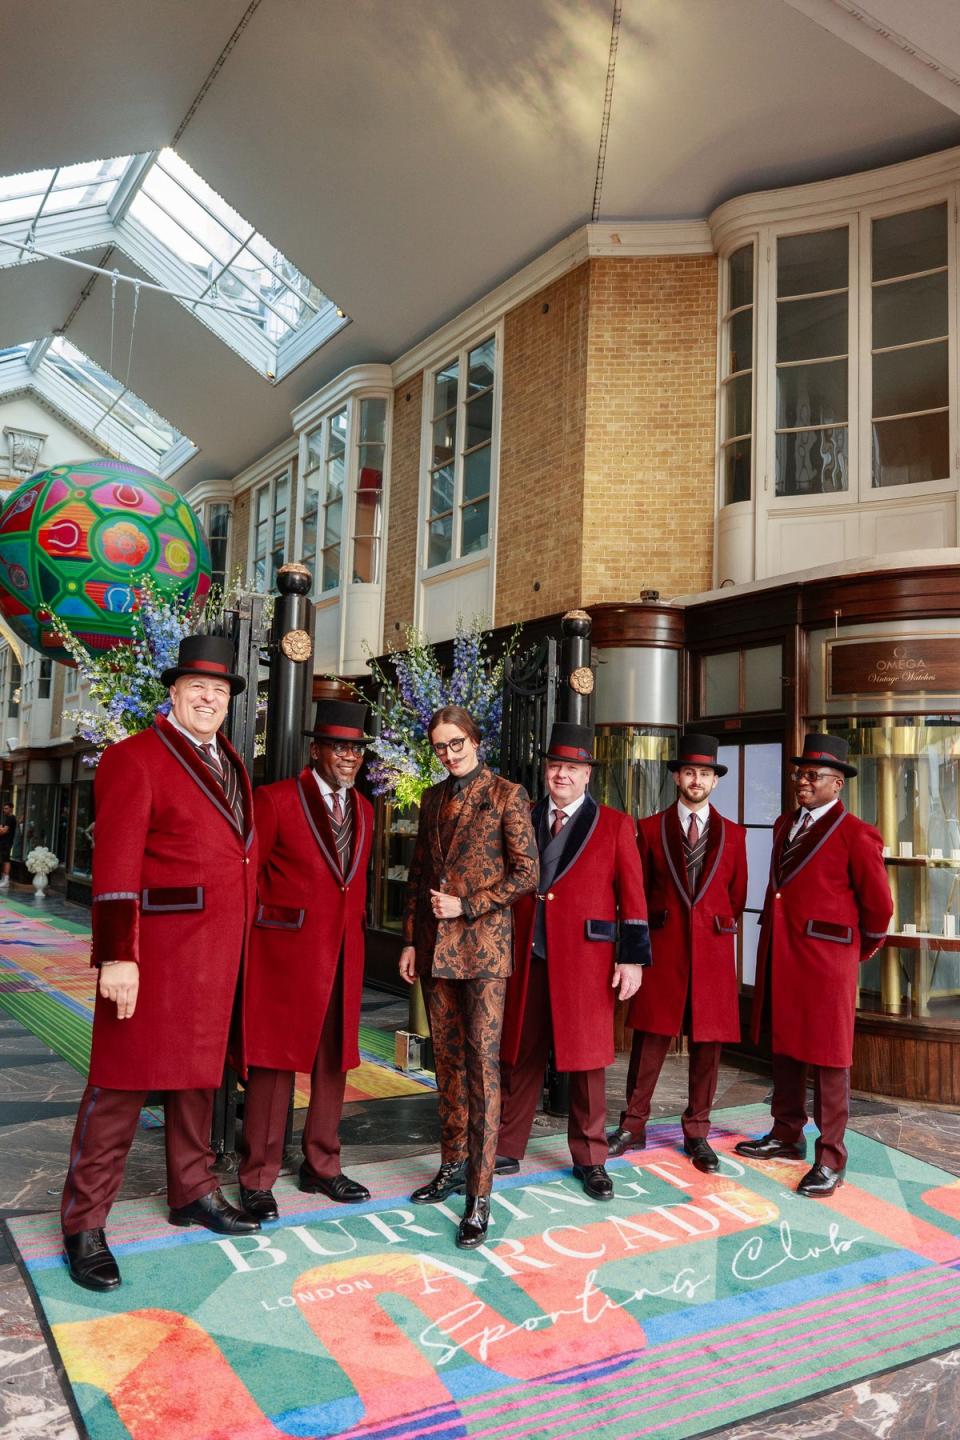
(183, 751)
(817, 836)
(318, 819)
(578, 832)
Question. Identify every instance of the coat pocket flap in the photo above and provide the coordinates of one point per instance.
(725, 924)
(657, 919)
(601, 929)
(157, 899)
(279, 917)
(827, 930)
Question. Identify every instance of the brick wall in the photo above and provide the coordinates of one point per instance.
(650, 420)
(240, 535)
(542, 451)
(401, 543)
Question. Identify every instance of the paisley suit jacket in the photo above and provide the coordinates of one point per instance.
(491, 861)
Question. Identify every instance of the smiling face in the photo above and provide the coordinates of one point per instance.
(696, 783)
(814, 787)
(199, 703)
(566, 781)
(337, 762)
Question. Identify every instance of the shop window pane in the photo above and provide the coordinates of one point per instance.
(809, 328)
(736, 472)
(479, 420)
(812, 394)
(480, 366)
(740, 341)
(808, 263)
(373, 417)
(335, 476)
(332, 522)
(914, 379)
(912, 450)
(371, 467)
(762, 685)
(314, 448)
(331, 568)
(281, 492)
(441, 490)
(82, 859)
(910, 310)
(759, 846)
(445, 388)
(751, 940)
(915, 240)
(726, 797)
(440, 546)
(263, 503)
(476, 474)
(308, 537)
(812, 462)
(632, 773)
(366, 560)
(762, 783)
(444, 438)
(721, 683)
(475, 527)
(741, 277)
(738, 406)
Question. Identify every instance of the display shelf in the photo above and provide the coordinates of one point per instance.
(923, 940)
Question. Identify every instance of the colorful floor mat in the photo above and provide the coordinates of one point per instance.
(46, 983)
(688, 1303)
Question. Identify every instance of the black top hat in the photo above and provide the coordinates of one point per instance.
(829, 750)
(571, 742)
(205, 655)
(339, 720)
(697, 750)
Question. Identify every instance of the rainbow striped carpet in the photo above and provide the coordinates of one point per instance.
(46, 983)
(687, 1304)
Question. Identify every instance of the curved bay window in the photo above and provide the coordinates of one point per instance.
(632, 773)
(909, 787)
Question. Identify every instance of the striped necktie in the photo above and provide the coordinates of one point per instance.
(694, 849)
(791, 849)
(223, 772)
(341, 823)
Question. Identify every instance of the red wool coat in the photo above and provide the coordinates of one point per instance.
(693, 938)
(818, 923)
(307, 911)
(173, 889)
(598, 883)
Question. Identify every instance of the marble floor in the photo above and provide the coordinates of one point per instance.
(38, 1097)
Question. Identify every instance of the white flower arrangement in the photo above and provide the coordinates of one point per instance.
(41, 861)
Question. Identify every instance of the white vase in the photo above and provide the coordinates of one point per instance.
(39, 885)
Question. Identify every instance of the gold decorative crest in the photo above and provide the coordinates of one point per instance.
(581, 680)
(297, 645)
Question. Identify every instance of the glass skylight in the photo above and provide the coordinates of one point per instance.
(111, 415)
(185, 236)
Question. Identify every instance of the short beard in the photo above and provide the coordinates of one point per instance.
(348, 784)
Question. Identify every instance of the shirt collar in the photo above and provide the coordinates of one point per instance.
(323, 787)
(816, 814)
(172, 720)
(458, 785)
(703, 816)
(568, 810)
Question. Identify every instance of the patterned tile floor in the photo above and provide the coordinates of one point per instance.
(38, 1095)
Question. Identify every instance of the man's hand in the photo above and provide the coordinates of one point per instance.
(444, 906)
(120, 982)
(408, 960)
(628, 977)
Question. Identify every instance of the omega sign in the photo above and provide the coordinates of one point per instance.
(904, 665)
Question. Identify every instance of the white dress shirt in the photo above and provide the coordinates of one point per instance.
(814, 816)
(568, 810)
(703, 817)
(172, 719)
(328, 792)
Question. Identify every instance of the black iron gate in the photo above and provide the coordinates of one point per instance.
(529, 710)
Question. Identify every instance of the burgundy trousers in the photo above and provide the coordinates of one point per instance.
(831, 1107)
(102, 1136)
(647, 1055)
(522, 1085)
(268, 1100)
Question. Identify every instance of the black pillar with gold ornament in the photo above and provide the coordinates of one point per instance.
(291, 673)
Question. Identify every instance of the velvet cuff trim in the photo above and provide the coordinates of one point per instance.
(634, 943)
(116, 930)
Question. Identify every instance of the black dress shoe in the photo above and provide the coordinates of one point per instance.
(506, 1165)
(702, 1154)
(216, 1213)
(620, 1140)
(450, 1179)
(473, 1227)
(595, 1181)
(820, 1181)
(91, 1263)
(261, 1204)
(336, 1187)
(768, 1147)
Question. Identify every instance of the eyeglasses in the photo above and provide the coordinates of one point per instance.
(345, 747)
(814, 775)
(454, 746)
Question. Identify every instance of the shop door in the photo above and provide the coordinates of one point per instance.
(750, 793)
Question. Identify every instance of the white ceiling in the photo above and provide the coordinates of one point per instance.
(410, 154)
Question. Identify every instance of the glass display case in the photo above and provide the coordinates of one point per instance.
(397, 835)
(909, 787)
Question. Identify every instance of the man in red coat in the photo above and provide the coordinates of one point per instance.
(695, 873)
(174, 868)
(568, 967)
(306, 959)
(827, 908)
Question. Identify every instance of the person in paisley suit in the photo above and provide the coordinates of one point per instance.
(475, 854)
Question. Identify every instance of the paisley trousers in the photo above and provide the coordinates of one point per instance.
(466, 1018)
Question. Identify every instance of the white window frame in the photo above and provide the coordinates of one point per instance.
(205, 521)
(474, 558)
(270, 484)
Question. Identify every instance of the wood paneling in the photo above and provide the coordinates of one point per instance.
(910, 1059)
(647, 624)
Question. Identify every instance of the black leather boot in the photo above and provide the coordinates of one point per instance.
(473, 1226)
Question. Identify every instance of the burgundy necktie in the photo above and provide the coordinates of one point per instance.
(693, 832)
(336, 807)
(559, 816)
